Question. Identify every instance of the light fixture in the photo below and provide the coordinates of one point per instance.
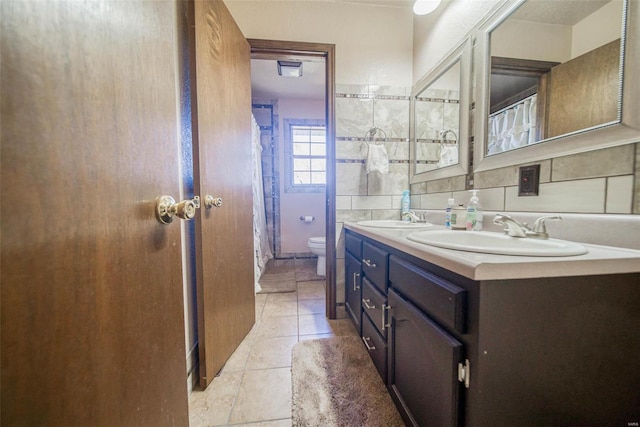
(290, 68)
(423, 7)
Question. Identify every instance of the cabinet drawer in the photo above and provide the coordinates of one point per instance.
(376, 346)
(374, 265)
(439, 298)
(374, 303)
(353, 245)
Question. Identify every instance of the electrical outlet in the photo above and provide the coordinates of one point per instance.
(529, 181)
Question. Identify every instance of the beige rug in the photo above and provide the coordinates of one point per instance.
(336, 384)
(277, 282)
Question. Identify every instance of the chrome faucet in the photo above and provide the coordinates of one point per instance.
(515, 228)
(412, 216)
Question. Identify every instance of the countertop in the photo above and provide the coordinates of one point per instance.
(477, 266)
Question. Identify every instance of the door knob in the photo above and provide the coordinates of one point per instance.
(167, 208)
(210, 201)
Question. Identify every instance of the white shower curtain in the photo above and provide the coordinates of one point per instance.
(260, 236)
(513, 127)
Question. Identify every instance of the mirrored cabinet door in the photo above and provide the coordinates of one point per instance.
(549, 85)
(440, 118)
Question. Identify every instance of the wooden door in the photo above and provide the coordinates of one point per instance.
(222, 164)
(92, 312)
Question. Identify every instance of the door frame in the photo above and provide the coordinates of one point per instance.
(277, 49)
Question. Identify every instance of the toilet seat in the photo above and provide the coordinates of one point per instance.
(317, 241)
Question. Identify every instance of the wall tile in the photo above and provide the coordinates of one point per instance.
(609, 162)
(386, 214)
(352, 89)
(351, 179)
(354, 117)
(392, 116)
(491, 199)
(396, 201)
(371, 202)
(619, 194)
(393, 183)
(343, 202)
(456, 183)
(509, 176)
(389, 90)
(419, 188)
(434, 201)
(352, 215)
(397, 150)
(584, 196)
(351, 150)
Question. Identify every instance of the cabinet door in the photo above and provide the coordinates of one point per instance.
(423, 363)
(353, 285)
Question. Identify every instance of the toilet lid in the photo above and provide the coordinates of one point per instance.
(317, 240)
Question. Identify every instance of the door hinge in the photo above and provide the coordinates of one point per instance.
(464, 372)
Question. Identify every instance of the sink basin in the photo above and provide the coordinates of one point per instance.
(496, 243)
(391, 223)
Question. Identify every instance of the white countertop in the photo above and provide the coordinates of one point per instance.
(478, 266)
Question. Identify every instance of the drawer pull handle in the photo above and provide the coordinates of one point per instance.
(366, 304)
(368, 263)
(366, 344)
(355, 286)
(385, 325)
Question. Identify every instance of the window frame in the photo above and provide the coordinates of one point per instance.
(290, 186)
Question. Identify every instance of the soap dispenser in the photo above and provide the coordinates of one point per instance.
(474, 212)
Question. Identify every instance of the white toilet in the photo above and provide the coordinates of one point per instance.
(318, 246)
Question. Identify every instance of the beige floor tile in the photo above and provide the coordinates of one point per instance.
(271, 353)
(311, 290)
(238, 359)
(264, 395)
(315, 324)
(212, 407)
(312, 306)
(281, 308)
(315, 337)
(282, 296)
(277, 326)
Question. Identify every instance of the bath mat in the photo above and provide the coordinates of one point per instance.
(336, 384)
(272, 283)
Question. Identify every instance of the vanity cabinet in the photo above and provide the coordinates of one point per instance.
(540, 351)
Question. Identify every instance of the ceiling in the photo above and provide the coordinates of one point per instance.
(267, 84)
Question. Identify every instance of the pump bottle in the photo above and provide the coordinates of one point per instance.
(474, 212)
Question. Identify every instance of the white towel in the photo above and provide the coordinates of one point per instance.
(377, 159)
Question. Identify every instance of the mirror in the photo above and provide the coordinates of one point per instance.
(440, 118)
(556, 78)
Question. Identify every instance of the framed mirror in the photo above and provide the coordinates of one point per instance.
(556, 78)
(439, 119)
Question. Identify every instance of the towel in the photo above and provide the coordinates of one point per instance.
(377, 159)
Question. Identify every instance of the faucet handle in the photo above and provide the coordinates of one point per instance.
(540, 227)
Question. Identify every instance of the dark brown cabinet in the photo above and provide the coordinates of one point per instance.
(353, 290)
(423, 366)
(528, 352)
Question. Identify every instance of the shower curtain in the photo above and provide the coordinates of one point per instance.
(261, 246)
(513, 127)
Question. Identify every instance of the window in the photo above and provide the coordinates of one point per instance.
(307, 161)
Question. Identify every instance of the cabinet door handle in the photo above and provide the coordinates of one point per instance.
(366, 344)
(368, 263)
(355, 286)
(385, 325)
(366, 304)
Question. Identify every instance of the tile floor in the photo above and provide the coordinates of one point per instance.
(254, 387)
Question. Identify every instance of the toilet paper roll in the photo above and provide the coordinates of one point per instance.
(307, 218)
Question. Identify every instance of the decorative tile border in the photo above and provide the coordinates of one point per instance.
(374, 96)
